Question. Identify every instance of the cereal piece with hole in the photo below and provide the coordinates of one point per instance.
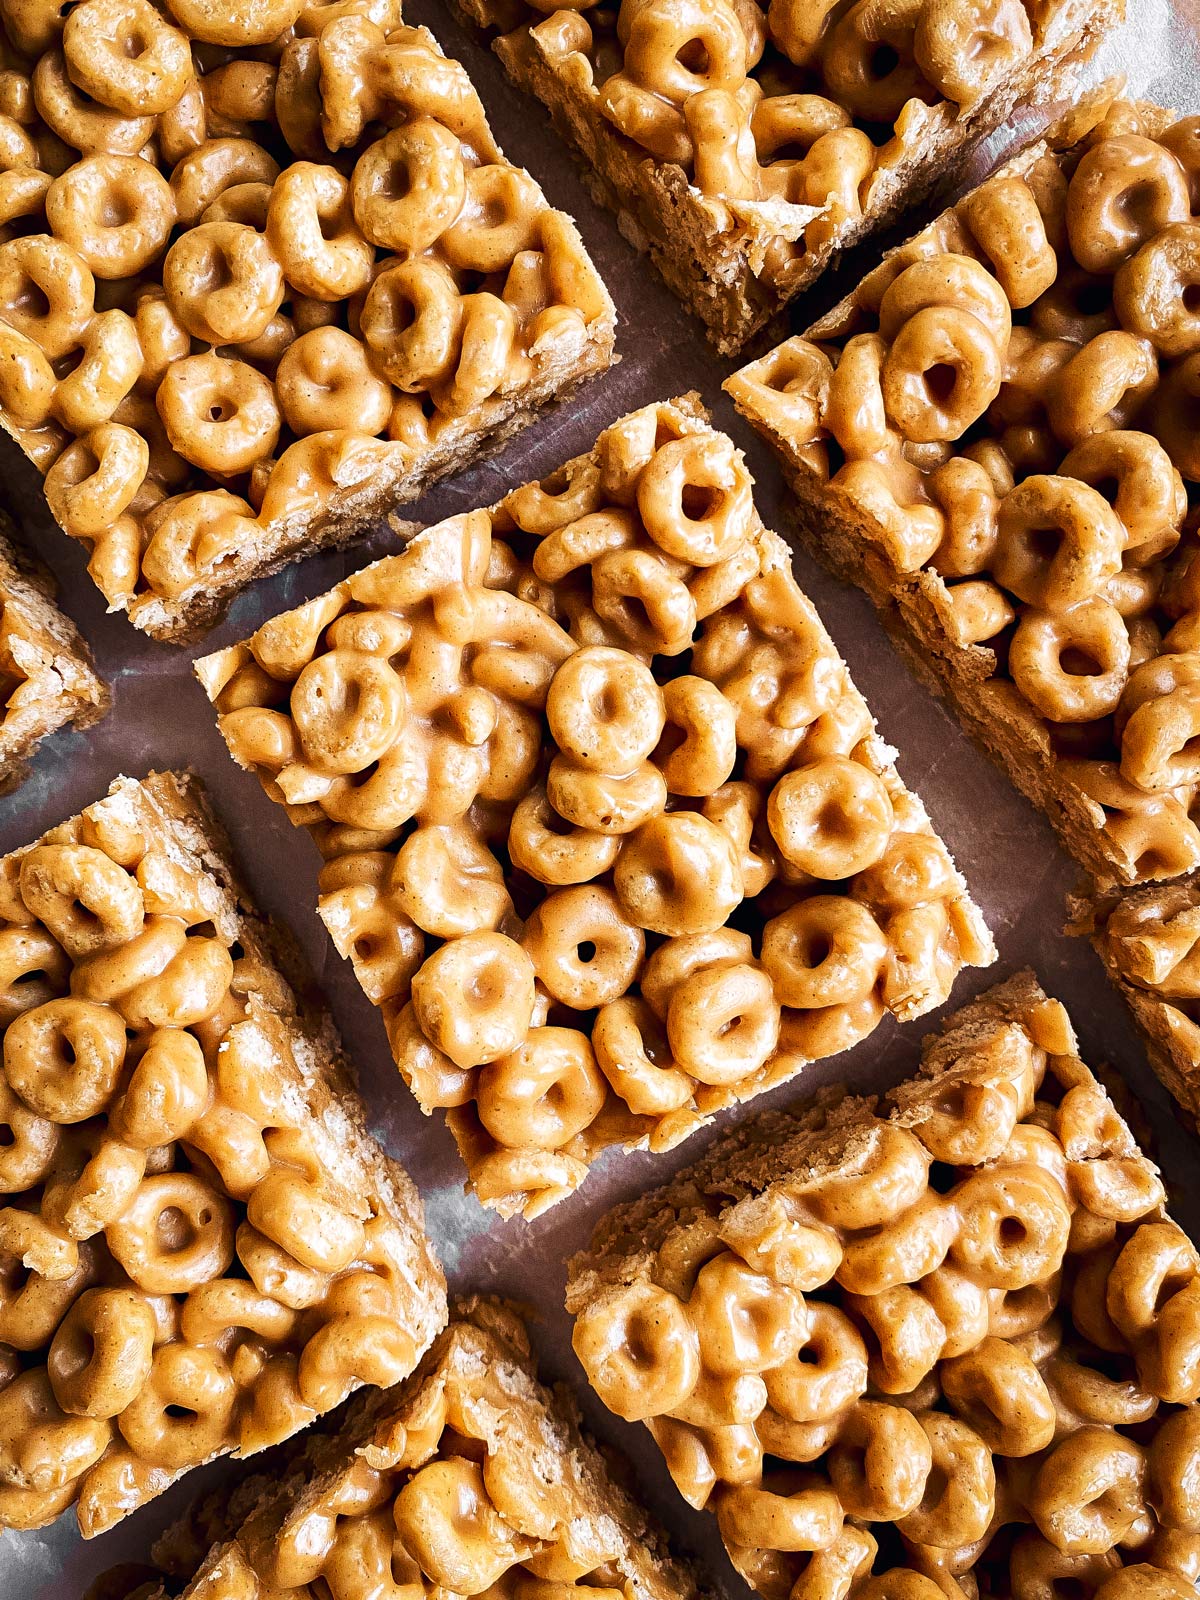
(609, 834)
(201, 1248)
(901, 1347)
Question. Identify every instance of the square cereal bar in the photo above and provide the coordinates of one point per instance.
(201, 1248)
(995, 435)
(609, 833)
(270, 275)
(1146, 938)
(471, 1477)
(745, 145)
(47, 676)
(946, 1344)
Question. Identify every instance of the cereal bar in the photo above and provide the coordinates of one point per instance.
(201, 1249)
(264, 272)
(745, 144)
(995, 435)
(566, 760)
(1147, 939)
(47, 676)
(939, 1346)
(470, 1478)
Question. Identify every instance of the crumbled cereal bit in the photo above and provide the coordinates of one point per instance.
(561, 757)
(994, 436)
(1147, 939)
(746, 144)
(202, 1249)
(269, 274)
(942, 1344)
(47, 676)
(470, 1478)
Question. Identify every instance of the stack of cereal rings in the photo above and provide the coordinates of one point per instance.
(548, 834)
(254, 265)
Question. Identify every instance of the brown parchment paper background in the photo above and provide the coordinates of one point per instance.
(160, 718)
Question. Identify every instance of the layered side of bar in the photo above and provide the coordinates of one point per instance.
(745, 146)
(1146, 938)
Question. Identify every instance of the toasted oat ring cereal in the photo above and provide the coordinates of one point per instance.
(474, 997)
(605, 710)
(678, 874)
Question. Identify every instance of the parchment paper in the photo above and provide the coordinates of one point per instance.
(161, 719)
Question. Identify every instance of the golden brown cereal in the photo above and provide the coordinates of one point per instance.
(536, 833)
(47, 678)
(744, 143)
(909, 1346)
(201, 1249)
(218, 361)
(1018, 500)
(469, 1474)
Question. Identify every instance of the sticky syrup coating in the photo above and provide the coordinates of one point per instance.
(245, 264)
(789, 119)
(948, 1347)
(195, 1257)
(609, 836)
(1008, 406)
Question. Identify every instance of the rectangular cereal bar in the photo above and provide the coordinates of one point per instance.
(47, 676)
(471, 1477)
(1146, 937)
(995, 436)
(944, 1344)
(567, 759)
(201, 1248)
(745, 145)
(270, 274)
